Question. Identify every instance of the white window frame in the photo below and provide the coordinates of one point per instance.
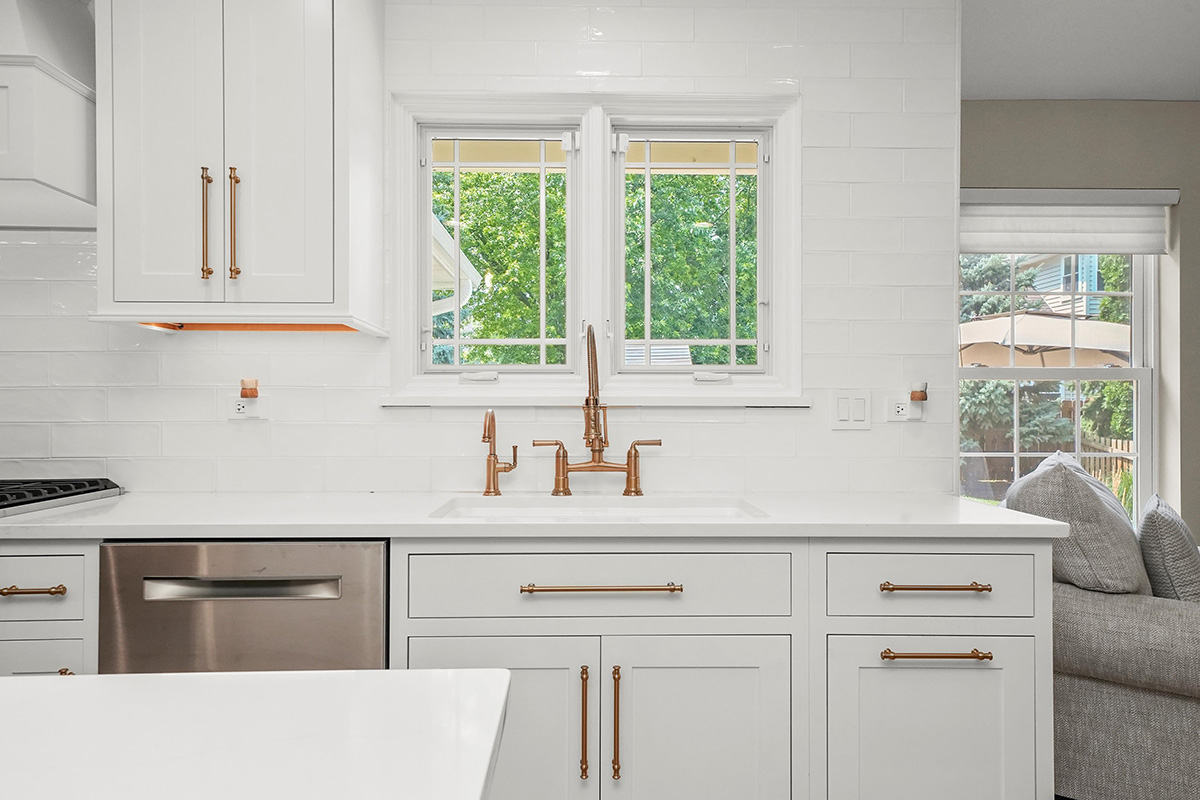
(593, 295)
(1141, 371)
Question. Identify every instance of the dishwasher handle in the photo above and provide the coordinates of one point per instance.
(296, 587)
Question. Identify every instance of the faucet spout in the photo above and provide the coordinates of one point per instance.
(489, 430)
(593, 397)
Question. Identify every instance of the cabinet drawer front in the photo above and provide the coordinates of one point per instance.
(854, 581)
(41, 572)
(41, 657)
(714, 584)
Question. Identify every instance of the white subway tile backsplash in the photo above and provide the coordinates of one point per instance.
(589, 59)
(379, 475)
(72, 440)
(930, 302)
(750, 86)
(319, 439)
(903, 200)
(626, 24)
(436, 22)
(104, 369)
(900, 130)
(690, 475)
(903, 269)
(694, 58)
(902, 338)
(798, 60)
(165, 474)
(851, 303)
(407, 58)
(851, 372)
(270, 475)
(71, 299)
(747, 25)
(534, 23)
(47, 262)
(852, 164)
(931, 166)
(136, 337)
(841, 24)
(825, 199)
(24, 369)
(227, 438)
(930, 235)
(903, 60)
(146, 404)
(825, 337)
(825, 474)
(931, 96)
(53, 468)
(825, 269)
(851, 235)
(24, 440)
(486, 58)
(48, 334)
(927, 440)
(931, 25)
(853, 95)
(642, 85)
(25, 297)
(825, 129)
(903, 475)
(216, 369)
(52, 405)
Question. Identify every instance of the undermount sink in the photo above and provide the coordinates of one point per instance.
(597, 508)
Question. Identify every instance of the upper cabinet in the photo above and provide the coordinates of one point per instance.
(241, 161)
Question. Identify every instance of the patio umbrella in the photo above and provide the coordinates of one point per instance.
(1042, 339)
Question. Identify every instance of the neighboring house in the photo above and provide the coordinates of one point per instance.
(1053, 274)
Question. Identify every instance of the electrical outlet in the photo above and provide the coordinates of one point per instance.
(239, 407)
(897, 410)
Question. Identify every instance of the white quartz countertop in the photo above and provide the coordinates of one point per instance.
(405, 734)
(208, 515)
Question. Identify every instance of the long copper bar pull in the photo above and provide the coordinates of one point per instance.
(14, 590)
(973, 586)
(583, 765)
(205, 180)
(234, 180)
(669, 588)
(616, 723)
(974, 655)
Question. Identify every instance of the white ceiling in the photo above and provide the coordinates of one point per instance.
(1081, 49)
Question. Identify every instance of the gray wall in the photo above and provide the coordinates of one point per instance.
(1126, 145)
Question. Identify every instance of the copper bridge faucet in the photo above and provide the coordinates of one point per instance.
(595, 436)
(491, 486)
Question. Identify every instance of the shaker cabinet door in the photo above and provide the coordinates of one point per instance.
(543, 743)
(931, 727)
(696, 718)
(167, 126)
(278, 66)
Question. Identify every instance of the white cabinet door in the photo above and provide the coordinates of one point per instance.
(279, 136)
(697, 717)
(543, 742)
(931, 729)
(167, 125)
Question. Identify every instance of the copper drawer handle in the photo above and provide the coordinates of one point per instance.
(65, 671)
(234, 180)
(14, 590)
(974, 655)
(205, 180)
(616, 762)
(583, 763)
(533, 588)
(973, 586)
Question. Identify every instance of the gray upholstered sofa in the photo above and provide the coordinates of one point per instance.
(1126, 641)
(1126, 696)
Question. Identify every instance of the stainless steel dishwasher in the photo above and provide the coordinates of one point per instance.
(231, 606)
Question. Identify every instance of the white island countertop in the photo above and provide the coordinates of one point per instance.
(232, 515)
(403, 734)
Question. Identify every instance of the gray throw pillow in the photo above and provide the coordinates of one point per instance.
(1102, 491)
(1169, 551)
(1101, 554)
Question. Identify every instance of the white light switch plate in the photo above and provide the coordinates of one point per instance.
(849, 410)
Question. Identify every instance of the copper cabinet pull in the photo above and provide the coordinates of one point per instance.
(65, 671)
(583, 764)
(205, 180)
(974, 655)
(14, 590)
(533, 588)
(616, 724)
(234, 180)
(973, 586)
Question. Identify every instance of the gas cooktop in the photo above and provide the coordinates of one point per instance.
(18, 497)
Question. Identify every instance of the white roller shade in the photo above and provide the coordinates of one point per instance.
(1034, 221)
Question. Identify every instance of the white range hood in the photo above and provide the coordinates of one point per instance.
(47, 115)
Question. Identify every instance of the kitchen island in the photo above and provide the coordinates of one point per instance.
(762, 646)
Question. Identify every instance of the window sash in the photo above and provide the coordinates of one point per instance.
(542, 167)
(647, 168)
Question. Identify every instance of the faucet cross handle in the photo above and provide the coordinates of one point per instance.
(633, 462)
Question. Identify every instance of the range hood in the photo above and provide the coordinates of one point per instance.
(47, 115)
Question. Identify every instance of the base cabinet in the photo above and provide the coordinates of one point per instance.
(929, 725)
(656, 717)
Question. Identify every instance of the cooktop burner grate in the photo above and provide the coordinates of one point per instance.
(20, 493)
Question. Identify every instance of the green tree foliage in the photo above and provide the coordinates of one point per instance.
(1108, 410)
(991, 273)
(986, 417)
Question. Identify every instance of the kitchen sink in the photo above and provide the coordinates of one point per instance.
(597, 509)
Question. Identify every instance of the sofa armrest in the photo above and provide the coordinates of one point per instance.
(1132, 639)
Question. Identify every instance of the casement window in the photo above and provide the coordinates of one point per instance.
(516, 229)
(691, 232)
(1056, 349)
